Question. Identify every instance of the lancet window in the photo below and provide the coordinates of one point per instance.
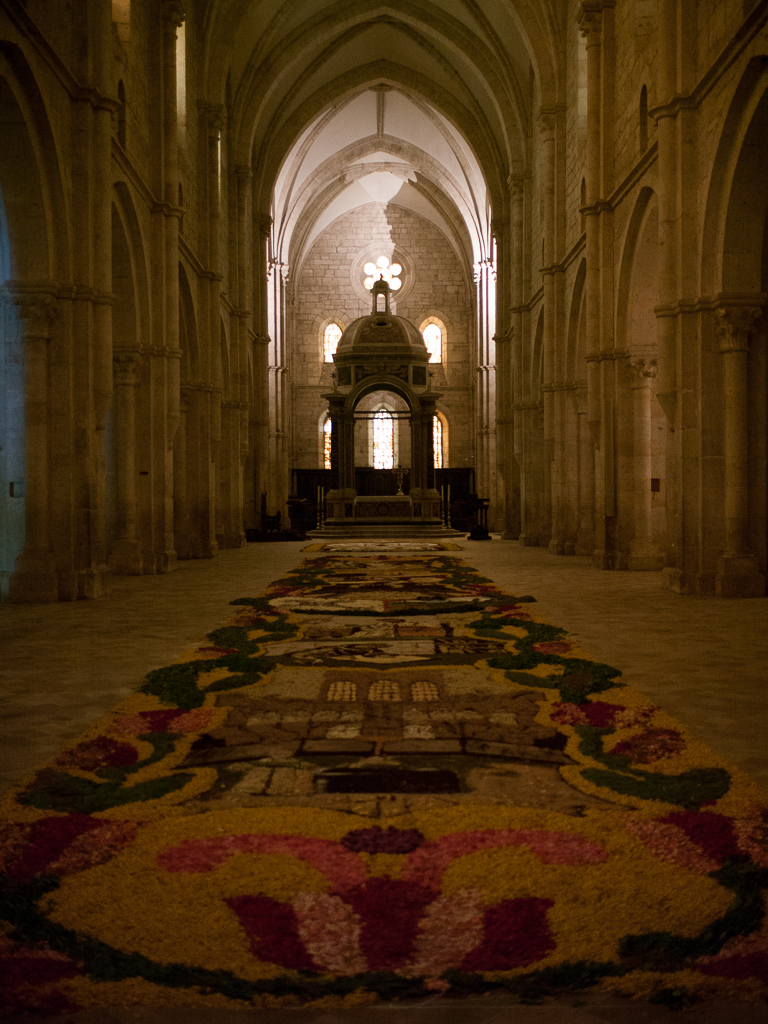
(331, 337)
(432, 334)
(437, 441)
(327, 428)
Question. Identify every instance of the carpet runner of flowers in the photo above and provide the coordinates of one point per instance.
(383, 778)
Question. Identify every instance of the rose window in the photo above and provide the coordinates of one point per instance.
(383, 270)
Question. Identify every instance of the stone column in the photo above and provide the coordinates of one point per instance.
(516, 529)
(173, 14)
(485, 389)
(644, 553)
(585, 535)
(35, 577)
(342, 490)
(182, 481)
(590, 24)
(596, 24)
(737, 572)
(125, 556)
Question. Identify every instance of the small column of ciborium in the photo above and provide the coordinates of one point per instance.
(399, 474)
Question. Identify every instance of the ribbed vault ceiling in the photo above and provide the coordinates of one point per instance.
(427, 105)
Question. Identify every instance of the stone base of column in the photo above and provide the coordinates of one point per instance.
(680, 582)
(603, 559)
(510, 535)
(93, 583)
(557, 546)
(125, 558)
(529, 540)
(585, 542)
(738, 576)
(168, 561)
(34, 579)
(644, 556)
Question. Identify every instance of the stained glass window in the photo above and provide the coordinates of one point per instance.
(331, 341)
(327, 427)
(433, 339)
(383, 441)
(437, 441)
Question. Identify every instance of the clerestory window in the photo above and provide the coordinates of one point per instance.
(433, 339)
(331, 337)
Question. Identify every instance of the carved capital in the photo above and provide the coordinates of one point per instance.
(590, 22)
(215, 120)
(546, 124)
(641, 371)
(173, 13)
(265, 225)
(516, 186)
(127, 368)
(735, 325)
(37, 311)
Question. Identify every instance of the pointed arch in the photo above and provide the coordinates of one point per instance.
(637, 291)
(190, 361)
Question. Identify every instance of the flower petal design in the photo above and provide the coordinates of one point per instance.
(670, 843)
(330, 931)
(272, 931)
(517, 933)
(451, 928)
(390, 910)
(341, 867)
(430, 861)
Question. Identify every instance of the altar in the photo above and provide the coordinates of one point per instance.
(376, 507)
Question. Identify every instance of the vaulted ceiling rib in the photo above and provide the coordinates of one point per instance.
(307, 109)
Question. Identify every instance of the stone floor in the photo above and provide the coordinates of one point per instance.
(705, 660)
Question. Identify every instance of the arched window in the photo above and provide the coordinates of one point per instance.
(437, 441)
(383, 440)
(331, 337)
(327, 428)
(433, 339)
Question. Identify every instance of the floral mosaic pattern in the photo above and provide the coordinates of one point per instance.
(114, 888)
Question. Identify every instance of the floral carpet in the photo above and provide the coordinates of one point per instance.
(383, 778)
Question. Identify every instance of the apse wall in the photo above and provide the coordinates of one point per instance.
(330, 288)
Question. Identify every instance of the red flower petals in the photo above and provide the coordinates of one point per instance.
(650, 745)
(390, 910)
(713, 833)
(516, 933)
(430, 860)
(376, 840)
(98, 753)
(192, 855)
(272, 931)
(46, 840)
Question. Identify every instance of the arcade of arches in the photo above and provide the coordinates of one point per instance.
(576, 193)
